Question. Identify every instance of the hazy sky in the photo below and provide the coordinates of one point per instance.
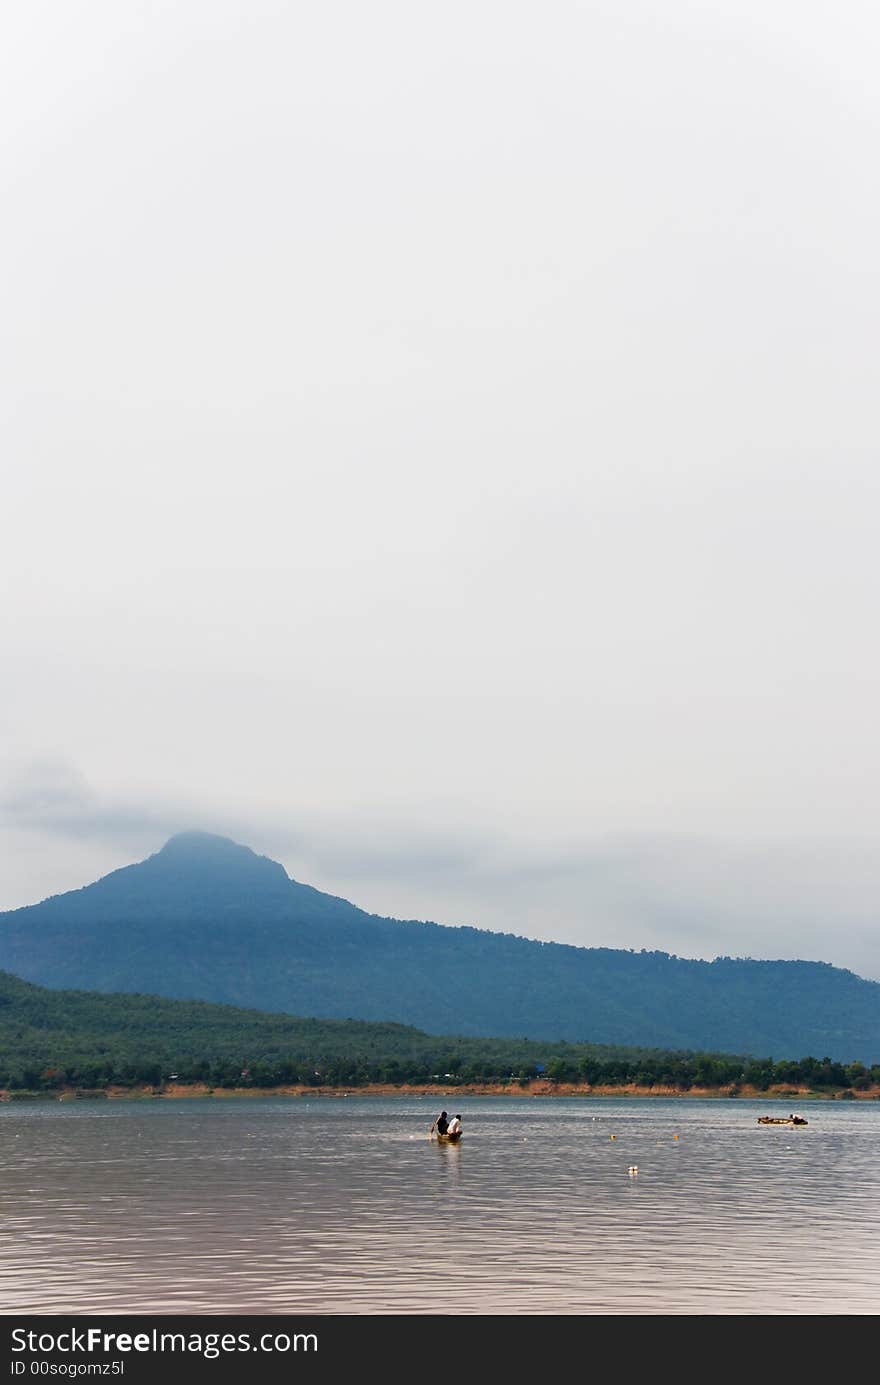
(440, 450)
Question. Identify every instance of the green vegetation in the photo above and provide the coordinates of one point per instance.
(50, 1040)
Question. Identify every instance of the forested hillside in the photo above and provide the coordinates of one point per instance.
(58, 1039)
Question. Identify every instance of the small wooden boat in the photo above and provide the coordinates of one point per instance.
(447, 1139)
(781, 1120)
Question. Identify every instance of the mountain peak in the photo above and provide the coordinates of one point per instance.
(197, 852)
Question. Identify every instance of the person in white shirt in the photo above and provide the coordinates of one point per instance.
(454, 1126)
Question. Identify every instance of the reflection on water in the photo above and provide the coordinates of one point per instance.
(299, 1206)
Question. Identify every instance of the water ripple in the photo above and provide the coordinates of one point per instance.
(274, 1206)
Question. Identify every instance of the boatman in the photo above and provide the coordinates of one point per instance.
(441, 1124)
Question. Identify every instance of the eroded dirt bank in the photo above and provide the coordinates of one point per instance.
(780, 1093)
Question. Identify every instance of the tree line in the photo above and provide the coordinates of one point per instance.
(649, 1069)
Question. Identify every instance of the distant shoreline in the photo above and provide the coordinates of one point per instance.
(176, 1090)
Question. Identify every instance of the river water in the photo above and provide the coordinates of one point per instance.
(344, 1205)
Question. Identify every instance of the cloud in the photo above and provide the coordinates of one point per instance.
(51, 795)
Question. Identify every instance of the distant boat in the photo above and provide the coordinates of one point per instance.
(782, 1120)
(448, 1139)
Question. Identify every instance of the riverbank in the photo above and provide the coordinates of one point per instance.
(172, 1090)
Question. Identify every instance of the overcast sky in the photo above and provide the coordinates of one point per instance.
(440, 450)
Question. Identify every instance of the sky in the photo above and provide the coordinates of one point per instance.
(440, 451)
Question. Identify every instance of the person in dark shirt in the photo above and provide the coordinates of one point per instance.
(441, 1124)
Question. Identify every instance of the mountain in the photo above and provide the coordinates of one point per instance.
(208, 919)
